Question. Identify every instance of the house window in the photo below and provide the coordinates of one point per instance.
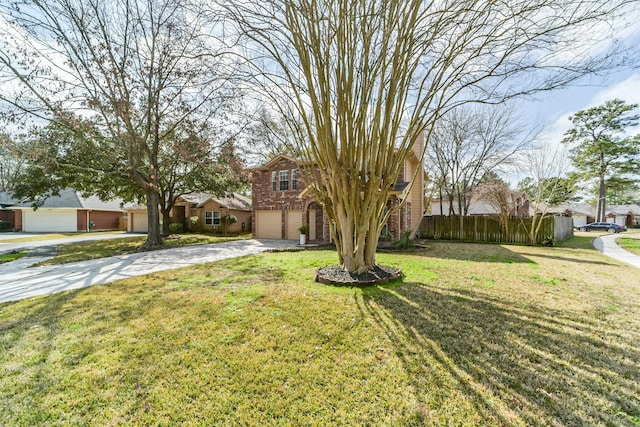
(284, 180)
(294, 179)
(274, 181)
(212, 218)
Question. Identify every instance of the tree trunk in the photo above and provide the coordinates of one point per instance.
(602, 201)
(166, 220)
(154, 238)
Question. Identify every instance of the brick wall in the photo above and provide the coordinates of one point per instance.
(263, 196)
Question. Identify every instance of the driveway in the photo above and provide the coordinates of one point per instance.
(17, 281)
(6, 244)
(608, 246)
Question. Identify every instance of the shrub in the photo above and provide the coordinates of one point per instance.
(176, 228)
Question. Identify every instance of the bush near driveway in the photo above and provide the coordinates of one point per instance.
(473, 335)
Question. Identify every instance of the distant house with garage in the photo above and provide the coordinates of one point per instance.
(282, 201)
(67, 212)
(628, 215)
(580, 213)
(200, 212)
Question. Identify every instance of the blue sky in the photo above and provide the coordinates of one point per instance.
(554, 108)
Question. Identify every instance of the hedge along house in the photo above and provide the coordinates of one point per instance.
(66, 212)
(282, 202)
(200, 212)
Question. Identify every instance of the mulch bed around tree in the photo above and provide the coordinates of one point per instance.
(335, 275)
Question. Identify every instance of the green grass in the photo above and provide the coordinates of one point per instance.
(11, 256)
(82, 251)
(473, 335)
(630, 244)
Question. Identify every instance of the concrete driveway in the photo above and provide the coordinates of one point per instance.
(17, 281)
(7, 244)
(608, 246)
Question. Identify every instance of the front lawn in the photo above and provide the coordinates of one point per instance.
(81, 251)
(474, 335)
(630, 244)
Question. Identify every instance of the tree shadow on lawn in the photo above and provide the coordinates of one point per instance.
(568, 259)
(516, 364)
(479, 252)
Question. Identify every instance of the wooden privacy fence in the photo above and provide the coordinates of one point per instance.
(488, 228)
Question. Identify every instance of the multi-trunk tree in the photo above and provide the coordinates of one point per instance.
(467, 145)
(368, 77)
(601, 149)
(122, 79)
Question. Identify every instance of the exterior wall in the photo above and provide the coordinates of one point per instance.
(244, 217)
(289, 203)
(105, 220)
(82, 215)
(18, 220)
(264, 198)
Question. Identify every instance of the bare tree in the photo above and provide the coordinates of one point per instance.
(542, 165)
(504, 200)
(469, 143)
(368, 77)
(121, 75)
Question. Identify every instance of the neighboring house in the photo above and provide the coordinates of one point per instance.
(282, 202)
(210, 212)
(628, 215)
(480, 206)
(580, 213)
(67, 212)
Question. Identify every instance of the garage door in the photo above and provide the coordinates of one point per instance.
(268, 224)
(294, 221)
(49, 220)
(139, 222)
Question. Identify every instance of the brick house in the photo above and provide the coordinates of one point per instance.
(68, 211)
(210, 211)
(282, 202)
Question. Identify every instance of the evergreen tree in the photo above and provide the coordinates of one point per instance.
(602, 150)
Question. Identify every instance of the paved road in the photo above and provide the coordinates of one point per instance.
(608, 246)
(17, 281)
(10, 246)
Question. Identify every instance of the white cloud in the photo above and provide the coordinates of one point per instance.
(628, 90)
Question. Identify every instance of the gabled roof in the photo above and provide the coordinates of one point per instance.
(574, 208)
(233, 201)
(7, 199)
(70, 199)
(272, 162)
(624, 209)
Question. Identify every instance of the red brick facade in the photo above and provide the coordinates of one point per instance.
(98, 220)
(272, 194)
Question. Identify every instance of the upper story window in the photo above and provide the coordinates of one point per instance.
(294, 179)
(274, 181)
(284, 180)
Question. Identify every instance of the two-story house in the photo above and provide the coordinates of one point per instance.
(282, 203)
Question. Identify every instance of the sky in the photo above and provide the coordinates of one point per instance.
(553, 109)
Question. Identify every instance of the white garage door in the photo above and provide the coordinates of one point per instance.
(49, 220)
(579, 220)
(268, 224)
(139, 222)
